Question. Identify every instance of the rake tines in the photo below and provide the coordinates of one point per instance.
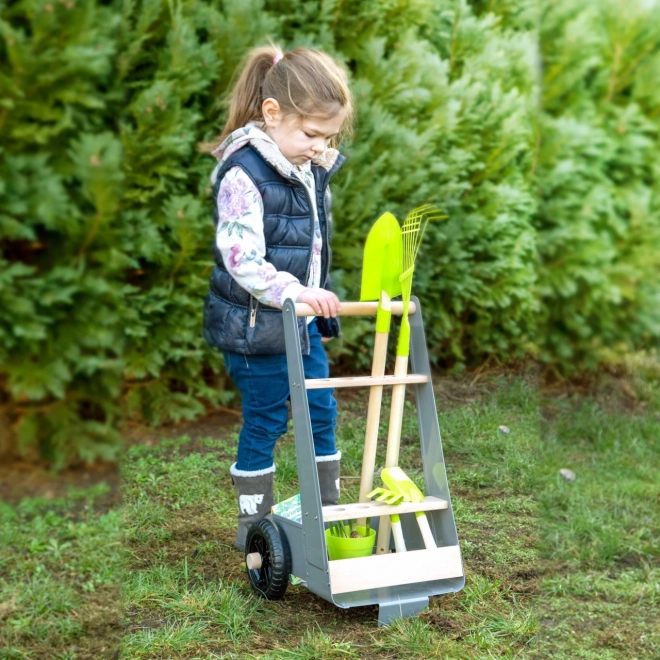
(412, 232)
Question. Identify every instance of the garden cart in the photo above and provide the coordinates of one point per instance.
(292, 540)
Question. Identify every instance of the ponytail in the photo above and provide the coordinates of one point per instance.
(304, 81)
(247, 95)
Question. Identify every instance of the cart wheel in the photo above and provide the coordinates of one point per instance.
(269, 577)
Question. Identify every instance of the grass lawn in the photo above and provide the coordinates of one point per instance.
(600, 535)
(60, 570)
(555, 569)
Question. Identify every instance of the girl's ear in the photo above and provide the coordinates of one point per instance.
(272, 113)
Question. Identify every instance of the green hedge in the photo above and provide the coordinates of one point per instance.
(446, 118)
(106, 228)
(105, 214)
(599, 181)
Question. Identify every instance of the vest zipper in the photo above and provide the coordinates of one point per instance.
(326, 239)
(311, 247)
(311, 217)
(253, 314)
(311, 252)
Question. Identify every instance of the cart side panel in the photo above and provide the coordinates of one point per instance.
(435, 475)
(316, 579)
(313, 537)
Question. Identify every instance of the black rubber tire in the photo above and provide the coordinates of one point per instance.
(271, 580)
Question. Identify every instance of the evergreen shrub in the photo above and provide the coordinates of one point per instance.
(105, 209)
(105, 222)
(598, 174)
(445, 117)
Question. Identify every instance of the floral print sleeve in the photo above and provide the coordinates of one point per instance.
(240, 239)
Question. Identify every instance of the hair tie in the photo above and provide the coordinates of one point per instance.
(277, 58)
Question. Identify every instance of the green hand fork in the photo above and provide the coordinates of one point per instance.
(402, 487)
(391, 498)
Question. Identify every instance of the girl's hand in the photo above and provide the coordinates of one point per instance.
(324, 303)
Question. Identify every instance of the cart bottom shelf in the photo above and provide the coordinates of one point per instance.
(360, 573)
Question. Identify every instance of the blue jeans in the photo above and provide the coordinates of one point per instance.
(263, 381)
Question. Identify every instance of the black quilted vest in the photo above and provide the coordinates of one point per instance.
(236, 321)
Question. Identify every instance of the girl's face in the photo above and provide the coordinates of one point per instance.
(298, 139)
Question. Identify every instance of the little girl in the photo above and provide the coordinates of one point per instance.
(273, 229)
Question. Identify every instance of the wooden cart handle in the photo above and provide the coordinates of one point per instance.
(356, 309)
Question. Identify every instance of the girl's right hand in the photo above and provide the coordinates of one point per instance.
(324, 303)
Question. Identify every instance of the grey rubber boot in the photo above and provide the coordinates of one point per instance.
(328, 471)
(255, 499)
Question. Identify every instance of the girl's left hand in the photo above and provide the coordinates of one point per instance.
(325, 340)
(323, 302)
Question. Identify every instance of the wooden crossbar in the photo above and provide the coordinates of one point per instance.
(357, 309)
(364, 381)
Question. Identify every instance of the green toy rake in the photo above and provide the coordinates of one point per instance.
(412, 233)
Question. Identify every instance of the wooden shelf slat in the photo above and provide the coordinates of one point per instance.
(364, 381)
(389, 570)
(375, 509)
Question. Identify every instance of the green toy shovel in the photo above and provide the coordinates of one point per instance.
(381, 272)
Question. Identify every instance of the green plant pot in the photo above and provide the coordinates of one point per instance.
(341, 548)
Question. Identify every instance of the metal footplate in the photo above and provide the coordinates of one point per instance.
(400, 608)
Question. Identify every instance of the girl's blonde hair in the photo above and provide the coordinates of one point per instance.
(305, 82)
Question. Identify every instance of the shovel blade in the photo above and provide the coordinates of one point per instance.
(383, 259)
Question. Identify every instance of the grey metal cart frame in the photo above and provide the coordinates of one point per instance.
(399, 583)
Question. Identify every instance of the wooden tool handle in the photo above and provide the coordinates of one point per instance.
(384, 531)
(396, 414)
(356, 309)
(393, 443)
(373, 417)
(383, 322)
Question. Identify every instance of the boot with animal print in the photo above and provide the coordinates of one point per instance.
(255, 498)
